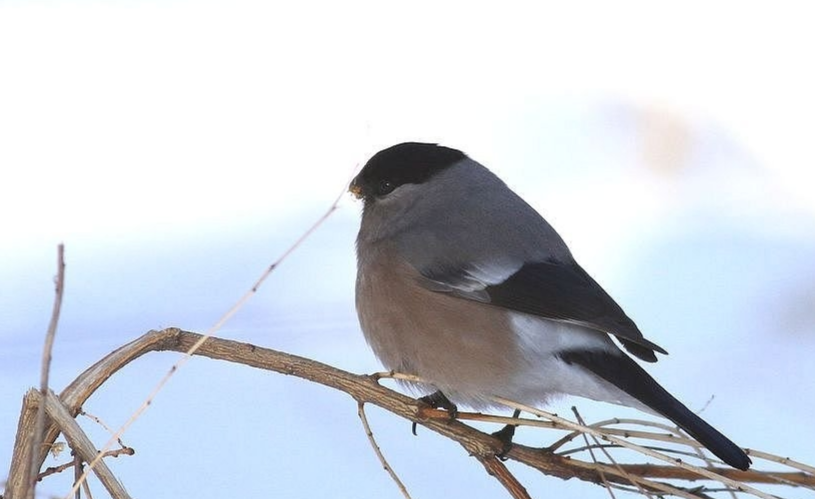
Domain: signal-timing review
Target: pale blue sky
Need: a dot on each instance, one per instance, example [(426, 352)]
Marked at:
[(177, 148)]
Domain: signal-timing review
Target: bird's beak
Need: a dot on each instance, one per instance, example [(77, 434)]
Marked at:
[(355, 189)]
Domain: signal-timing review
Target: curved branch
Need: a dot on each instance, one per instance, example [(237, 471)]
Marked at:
[(367, 390)]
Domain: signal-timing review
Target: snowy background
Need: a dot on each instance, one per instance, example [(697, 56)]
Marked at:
[(177, 148)]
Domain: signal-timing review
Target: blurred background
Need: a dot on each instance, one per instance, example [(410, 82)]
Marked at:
[(177, 148)]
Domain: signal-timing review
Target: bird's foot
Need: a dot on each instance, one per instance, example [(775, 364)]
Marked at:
[(438, 400), (505, 435)]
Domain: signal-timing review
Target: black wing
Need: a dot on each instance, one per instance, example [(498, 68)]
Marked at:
[(565, 292), (561, 291)]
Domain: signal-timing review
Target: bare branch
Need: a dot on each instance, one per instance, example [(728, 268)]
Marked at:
[(53, 470), (496, 468), (593, 458), (78, 475), (48, 347), (366, 389), (82, 445), (26, 456), (378, 451)]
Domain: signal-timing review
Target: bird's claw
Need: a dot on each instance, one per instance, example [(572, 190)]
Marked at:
[(438, 400), (505, 435)]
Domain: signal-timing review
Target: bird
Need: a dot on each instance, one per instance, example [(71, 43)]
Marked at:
[(462, 283)]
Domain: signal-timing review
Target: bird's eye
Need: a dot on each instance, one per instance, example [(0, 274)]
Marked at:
[(385, 187)]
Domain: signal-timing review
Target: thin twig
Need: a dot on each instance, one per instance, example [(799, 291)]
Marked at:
[(670, 436), (211, 331), (678, 468), (378, 451), (639, 448), (636, 483), (78, 473), (665, 450), (87, 488), (591, 453), (663, 487), (101, 423), (782, 460), (45, 369), (53, 470), (81, 444)]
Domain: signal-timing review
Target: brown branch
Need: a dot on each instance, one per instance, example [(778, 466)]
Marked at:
[(366, 389), (674, 473), (45, 369), (22, 454), (594, 459), (60, 418), (53, 470), (378, 451), (78, 474), (498, 469), (82, 445)]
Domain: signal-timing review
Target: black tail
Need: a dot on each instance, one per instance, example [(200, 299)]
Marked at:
[(622, 372)]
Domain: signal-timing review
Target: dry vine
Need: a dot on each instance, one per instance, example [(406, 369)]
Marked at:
[(555, 460)]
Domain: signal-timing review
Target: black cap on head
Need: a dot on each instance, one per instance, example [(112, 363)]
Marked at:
[(406, 163)]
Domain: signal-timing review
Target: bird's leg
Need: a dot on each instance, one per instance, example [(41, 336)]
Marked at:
[(505, 435), (438, 400)]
